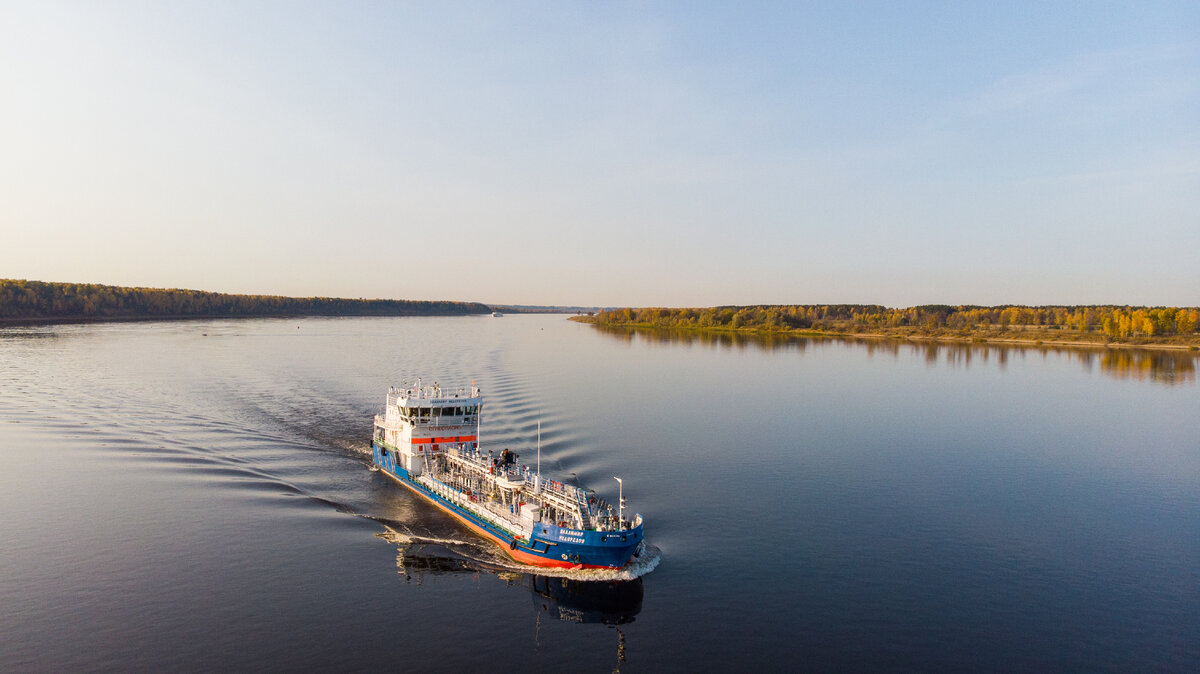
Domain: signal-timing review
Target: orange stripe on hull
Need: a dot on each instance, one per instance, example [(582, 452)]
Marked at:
[(523, 557)]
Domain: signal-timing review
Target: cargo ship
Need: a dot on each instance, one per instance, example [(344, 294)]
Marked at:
[(427, 439)]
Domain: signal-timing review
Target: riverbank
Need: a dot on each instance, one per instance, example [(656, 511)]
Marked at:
[(1000, 336), (23, 301), (83, 320)]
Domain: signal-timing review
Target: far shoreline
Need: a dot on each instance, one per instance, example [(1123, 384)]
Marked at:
[(70, 320), (976, 339)]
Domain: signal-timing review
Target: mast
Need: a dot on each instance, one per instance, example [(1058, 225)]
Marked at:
[(620, 501), (478, 417)]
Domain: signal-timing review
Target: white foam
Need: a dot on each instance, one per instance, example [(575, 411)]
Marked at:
[(399, 538)]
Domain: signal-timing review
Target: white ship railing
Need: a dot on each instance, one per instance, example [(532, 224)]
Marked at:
[(431, 393), (510, 525), (590, 512)]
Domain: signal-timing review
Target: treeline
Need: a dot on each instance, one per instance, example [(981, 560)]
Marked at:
[(1114, 322), (38, 299)]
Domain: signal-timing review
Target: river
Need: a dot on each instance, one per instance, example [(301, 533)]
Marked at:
[(197, 495)]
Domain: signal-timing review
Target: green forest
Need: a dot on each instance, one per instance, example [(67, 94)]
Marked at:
[(43, 300), (1058, 323)]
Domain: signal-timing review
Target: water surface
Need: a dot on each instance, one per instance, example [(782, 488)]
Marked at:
[(197, 495)]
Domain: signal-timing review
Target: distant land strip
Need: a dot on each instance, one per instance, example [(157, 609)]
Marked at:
[(22, 301), (543, 309), (1165, 327)]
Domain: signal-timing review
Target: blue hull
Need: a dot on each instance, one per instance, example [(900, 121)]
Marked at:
[(549, 545)]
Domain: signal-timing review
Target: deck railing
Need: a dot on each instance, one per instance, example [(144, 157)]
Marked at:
[(452, 495)]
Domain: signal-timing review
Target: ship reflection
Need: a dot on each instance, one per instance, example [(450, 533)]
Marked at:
[(565, 599), (587, 601)]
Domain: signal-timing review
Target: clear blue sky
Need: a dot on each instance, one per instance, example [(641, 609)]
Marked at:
[(665, 154)]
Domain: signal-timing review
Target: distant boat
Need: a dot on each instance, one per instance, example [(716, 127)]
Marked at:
[(496, 314)]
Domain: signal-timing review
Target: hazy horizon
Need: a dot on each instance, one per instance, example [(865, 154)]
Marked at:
[(624, 154)]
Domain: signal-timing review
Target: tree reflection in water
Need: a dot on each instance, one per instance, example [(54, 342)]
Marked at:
[(1160, 366)]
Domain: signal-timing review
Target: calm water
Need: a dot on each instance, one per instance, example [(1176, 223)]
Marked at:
[(197, 496)]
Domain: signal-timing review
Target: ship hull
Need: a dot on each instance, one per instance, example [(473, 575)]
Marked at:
[(547, 546)]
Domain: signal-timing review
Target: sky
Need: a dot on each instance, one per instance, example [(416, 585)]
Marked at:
[(607, 153)]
